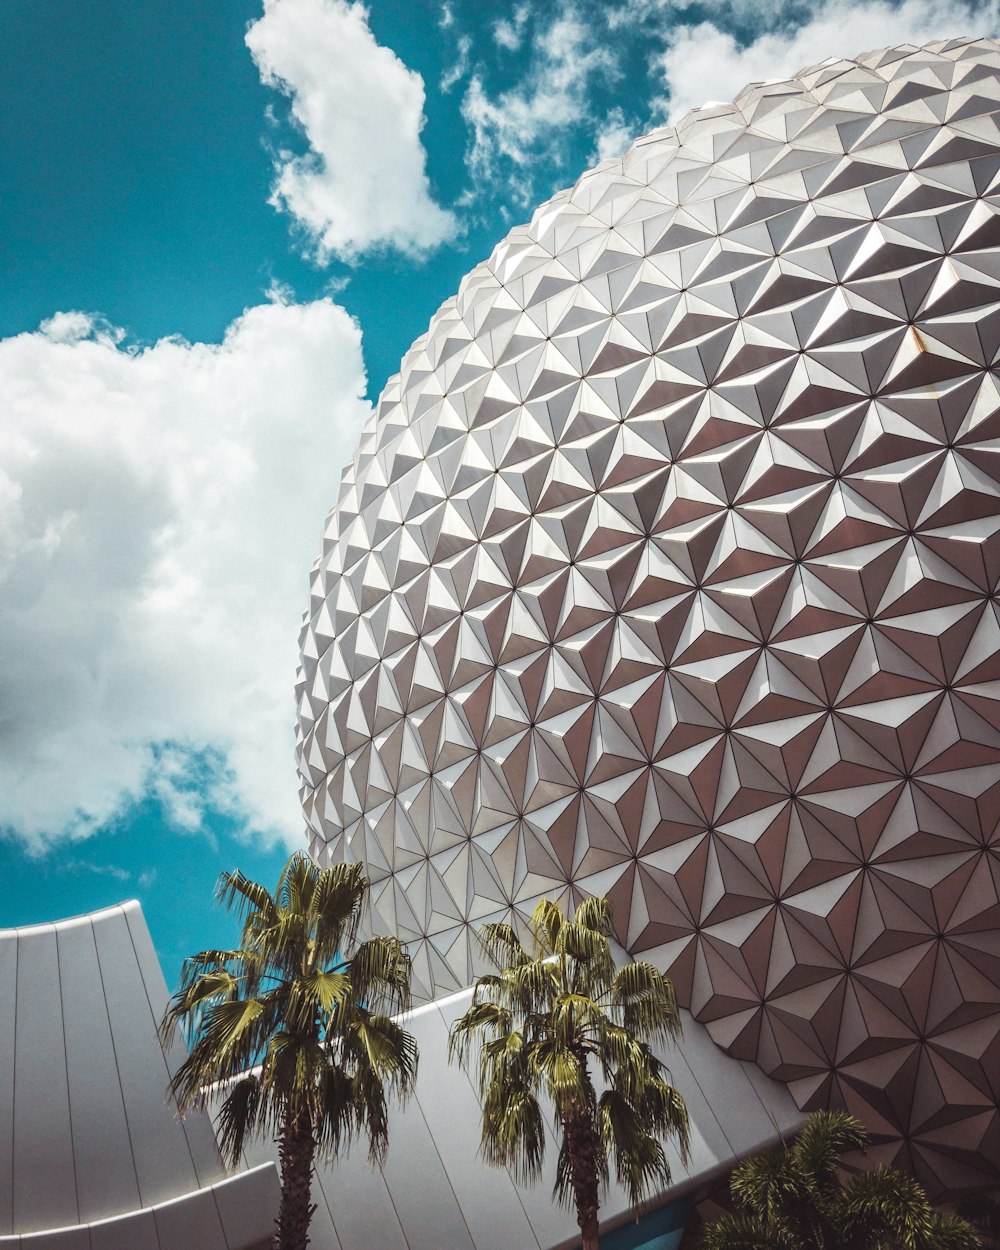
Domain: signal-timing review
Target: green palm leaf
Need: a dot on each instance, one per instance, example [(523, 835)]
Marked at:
[(797, 1197)]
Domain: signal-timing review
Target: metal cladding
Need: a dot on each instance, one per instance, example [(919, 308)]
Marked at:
[(433, 1191), (667, 570), (93, 1156)]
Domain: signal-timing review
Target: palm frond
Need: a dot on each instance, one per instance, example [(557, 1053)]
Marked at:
[(950, 1231), (826, 1137), (386, 1048), (238, 1118), (889, 1202), (322, 990), (337, 904), (297, 884), (743, 1232), (187, 1006), (663, 1110), (238, 893), (640, 1162), (562, 1074), (231, 1030), (764, 1185), (210, 961), (595, 914), (513, 1133), (488, 1019), (338, 1119), (529, 987), (646, 1002), (501, 946), (546, 922), (583, 943), (371, 1112), (504, 1065), (380, 974)]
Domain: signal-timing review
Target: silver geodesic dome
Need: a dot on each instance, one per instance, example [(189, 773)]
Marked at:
[(666, 569)]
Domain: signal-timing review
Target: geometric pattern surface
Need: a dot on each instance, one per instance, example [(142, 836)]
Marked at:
[(667, 569)]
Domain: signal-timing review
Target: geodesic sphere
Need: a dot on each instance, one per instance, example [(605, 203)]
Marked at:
[(667, 570)]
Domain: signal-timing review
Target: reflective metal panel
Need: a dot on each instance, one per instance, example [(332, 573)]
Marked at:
[(666, 569), (44, 1172), (88, 1141), (100, 1129), (434, 1189)]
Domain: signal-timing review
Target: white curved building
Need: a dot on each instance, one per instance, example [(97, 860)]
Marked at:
[(92, 1157), (435, 1193)]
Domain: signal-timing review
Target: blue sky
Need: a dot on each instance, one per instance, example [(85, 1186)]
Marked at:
[(221, 225)]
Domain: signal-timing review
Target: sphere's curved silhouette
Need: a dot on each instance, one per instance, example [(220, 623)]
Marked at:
[(667, 570)]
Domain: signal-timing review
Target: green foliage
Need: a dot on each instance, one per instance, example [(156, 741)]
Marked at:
[(293, 1023), (983, 1213), (547, 1020), (798, 1199)]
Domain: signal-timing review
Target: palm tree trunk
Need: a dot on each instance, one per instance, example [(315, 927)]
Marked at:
[(579, 1131), (296, 1148)]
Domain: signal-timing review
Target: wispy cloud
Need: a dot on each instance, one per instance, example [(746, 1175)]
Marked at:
[(363, 183), (460, 67), (566, 57), (708, 62), (522, 125), (159, 512), (509, 31), (614, 136), (74, 866)]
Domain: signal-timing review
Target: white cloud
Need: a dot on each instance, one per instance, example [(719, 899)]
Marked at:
[(457, 71), (159, 513), (509, 32), (704, 63), (614, 136), (528, 121), (363, 183)]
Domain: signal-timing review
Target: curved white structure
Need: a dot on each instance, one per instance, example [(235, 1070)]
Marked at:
[(435, 1193), (92, 1157)]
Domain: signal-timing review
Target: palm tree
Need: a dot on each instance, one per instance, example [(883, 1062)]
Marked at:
[(548, 1022), (294, 1027), (797, 1199), (983, 1213)]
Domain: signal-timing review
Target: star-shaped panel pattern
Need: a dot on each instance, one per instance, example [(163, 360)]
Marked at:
[(667, 570)]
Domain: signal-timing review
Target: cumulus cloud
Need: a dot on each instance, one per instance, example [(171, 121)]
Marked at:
[(705, 63), (159, 512), (527, 121), (363, 182)]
